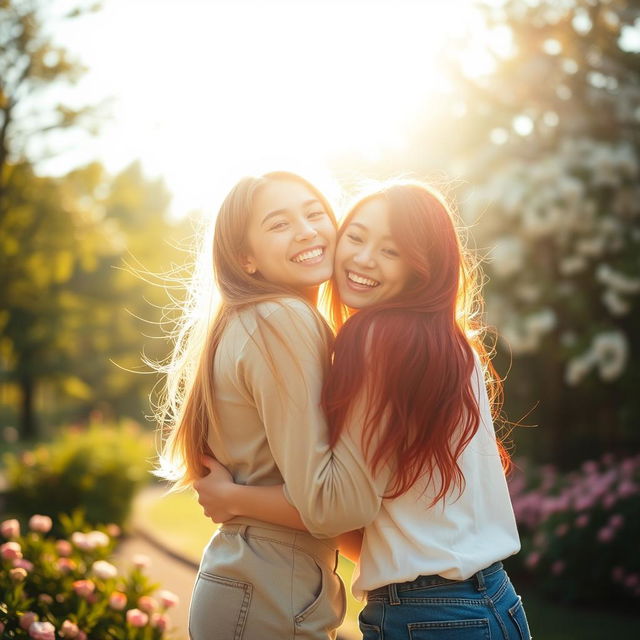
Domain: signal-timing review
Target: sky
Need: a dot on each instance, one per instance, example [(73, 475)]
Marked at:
[(205, 91)]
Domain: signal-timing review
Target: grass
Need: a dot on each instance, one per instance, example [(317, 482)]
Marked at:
[(548, 620)]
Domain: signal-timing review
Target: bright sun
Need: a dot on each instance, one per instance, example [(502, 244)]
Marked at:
[(208, 91)]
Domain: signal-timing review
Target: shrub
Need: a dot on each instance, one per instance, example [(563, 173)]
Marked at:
[(67, 587), (580, 531), (97, 469)]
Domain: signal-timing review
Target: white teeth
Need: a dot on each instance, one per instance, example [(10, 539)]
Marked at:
[(360, 280), (308, 255)]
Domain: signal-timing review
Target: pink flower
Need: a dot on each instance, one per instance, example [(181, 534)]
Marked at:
[(582, 520), (25, 564), (97, 539), (617, 574), (27, 619), (41, 524), (606, 534), (42, 631), (66, 565), (10, 528), (104, 570), (45, 598), (590, 467), (69, 629), (160, 621), (167, 598), (117, 600), (561, 530), (141, 561), (627, 489), (18, 574), (137, 618), (616, 521), (11, 551), (113, 530), (147, 603), (557, 567), (1, 627), (81, 635), (632, 580), (609, 500), (64, 548), (532, 560), (84, 588)]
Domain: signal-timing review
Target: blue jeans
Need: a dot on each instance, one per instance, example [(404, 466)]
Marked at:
[(484, 607)]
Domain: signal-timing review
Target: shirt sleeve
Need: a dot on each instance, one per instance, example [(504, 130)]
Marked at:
[(333, 490)]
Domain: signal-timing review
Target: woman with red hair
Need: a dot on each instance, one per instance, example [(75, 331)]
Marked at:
[(409, 386)]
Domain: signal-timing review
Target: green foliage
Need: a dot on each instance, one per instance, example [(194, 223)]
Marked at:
[(70, 585), (97, 469)]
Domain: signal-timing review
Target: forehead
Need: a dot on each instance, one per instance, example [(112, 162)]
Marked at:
[(374, 216), (281, 194)]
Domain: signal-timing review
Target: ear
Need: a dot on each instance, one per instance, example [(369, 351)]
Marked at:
[(248, 264)]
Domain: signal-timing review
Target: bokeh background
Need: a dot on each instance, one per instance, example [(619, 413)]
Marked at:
[(123, 125)]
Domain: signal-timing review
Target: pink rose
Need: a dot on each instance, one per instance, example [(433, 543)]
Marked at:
[(137, 618), (64, 548), (69, 629), (42, 631), (25, 564), (561, 530), (11, 551), (66, 565), (167, 598), (18, 574), (147, 603), (117, 600), (160, 621), (557, 567), (41, 524), (10, 528), (27, 619), (84, 588)]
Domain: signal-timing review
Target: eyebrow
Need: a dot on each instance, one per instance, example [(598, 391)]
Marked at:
[(365, 228), (278, 212)]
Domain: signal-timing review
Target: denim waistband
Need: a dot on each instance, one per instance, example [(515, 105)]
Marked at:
[(391, 590)]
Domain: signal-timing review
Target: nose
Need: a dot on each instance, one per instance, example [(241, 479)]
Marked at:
[(364, 258), (305, 231)]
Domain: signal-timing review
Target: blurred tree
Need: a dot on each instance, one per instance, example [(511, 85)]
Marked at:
[(556, 203)]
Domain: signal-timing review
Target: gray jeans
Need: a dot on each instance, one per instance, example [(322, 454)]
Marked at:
[(258, 582)]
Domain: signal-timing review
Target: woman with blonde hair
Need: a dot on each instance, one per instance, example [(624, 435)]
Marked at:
[(246, 387), (407, 389)]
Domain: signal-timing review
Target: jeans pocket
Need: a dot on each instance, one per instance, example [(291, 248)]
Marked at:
[(370, 631), (219, 608), (308, 572), (477, 629), (519, 618)]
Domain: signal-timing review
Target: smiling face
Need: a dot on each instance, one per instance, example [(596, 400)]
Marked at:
[(291, 237), (369, 266)]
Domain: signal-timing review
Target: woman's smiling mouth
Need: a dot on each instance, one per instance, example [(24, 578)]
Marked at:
[(360, 282), (309, 256)]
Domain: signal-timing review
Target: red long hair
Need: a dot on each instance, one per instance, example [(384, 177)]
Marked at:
[(413, 355)]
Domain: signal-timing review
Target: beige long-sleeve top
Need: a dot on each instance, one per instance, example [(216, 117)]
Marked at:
[(271, 428)]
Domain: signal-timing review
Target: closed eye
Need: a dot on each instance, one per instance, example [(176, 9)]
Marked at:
[(353, 237), (391, 252), (315, 214), (278, 226)]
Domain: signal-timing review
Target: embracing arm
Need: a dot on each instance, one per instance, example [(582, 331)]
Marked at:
[(223, 500)]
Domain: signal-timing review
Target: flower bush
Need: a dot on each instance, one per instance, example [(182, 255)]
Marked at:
[(580, 531), (97, 469), (67, 588)]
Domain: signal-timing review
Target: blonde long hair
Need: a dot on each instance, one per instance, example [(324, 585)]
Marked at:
[(186, 410)]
